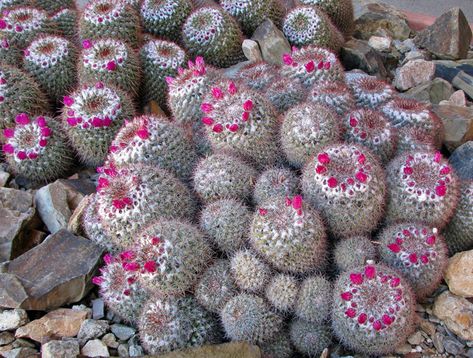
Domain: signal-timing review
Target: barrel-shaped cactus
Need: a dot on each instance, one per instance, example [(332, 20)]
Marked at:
[(280, 182), (65, 22), (370, 92), (333, 94), (353, 251)]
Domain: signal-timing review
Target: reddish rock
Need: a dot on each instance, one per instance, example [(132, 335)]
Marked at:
[(414, 73)]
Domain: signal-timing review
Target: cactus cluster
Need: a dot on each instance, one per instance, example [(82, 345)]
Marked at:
[(65, 22), (333, 94), (353, 251)]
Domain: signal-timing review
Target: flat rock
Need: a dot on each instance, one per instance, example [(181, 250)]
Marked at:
[(464, 82), (458, 123), (95, 348), (457, 314), (251, 50), (123, 332), (448, 37), (60, 349), (226, 350), (462, 161), (98, 309), (357, 54), (380, 43), (434, 91), (22, 352), (110, 340), (92, 328), (271, 41), (75, 221), (458, 98), (44, 284), (63, 322), (51, 202), (12, 319), (414, 73), (459, 274)]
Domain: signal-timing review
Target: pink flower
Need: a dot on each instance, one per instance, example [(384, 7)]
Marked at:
[(3, 24), (232, 89), (97, 122), (233, 127), (370, 272), (206, 107), (108, 259), (111, 66), (22, 119), (332, 182), (46, 131), (297, 202), (207, 121), (150, 266), (169, 80), (72, 121), (86, 44), (8, 148), (361, 177), (441, 190), (346, 296), (248, 105), (68, 101), (43, 143), (97, 280), (21, 155), (142, 133), (218, 128), (41, 121), (351, 312), (394, 248), (217, 93), (353, 122), (310, 66), (356, 278), (323, 158), (8, 132), (287, 59)]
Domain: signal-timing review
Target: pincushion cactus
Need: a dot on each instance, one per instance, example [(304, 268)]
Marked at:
[(370, 92), (154, 140), (92, 115), (176, 323), (215, 287), (225, 222), (309, 25), (373, 130), (104, 18), (65, 22), (111, 61), (284, 94), (422, 186), (279, 347), (333, 94), (10, 55), (418, 252), (346, 183), (5, 4), (247, 317), (373, 310), (289, 234), (310, 338), (242, 121), (133, 196), (282, 291), (280, 182), (120, 290), (165, 18), (258, 75), (55, 5), (312, 65), (353, 251), (19, 93), (213, 34), (36, 148), (306, 129), (159, 60), (314, 300), (414, 139), (251, 13), (52, 60), (459, 232), (249, 272), (92, 226)]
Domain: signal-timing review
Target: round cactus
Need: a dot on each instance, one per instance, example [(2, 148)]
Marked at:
[(251, 13), (52, 6), (36, 148), (312, 65), (154, 141), (282, 291), (346, 183), (176, 323), (159, 60), (112, 62), (249, 272), (416, 251), (247, 317), (310, 338), (280, 182), (306, 129), (19, 93), (289, 234), (215, 287), (279, 347), (222, 176), (308, 25), (333, 94), (284, 94), (422, 186), (92, 115), (165, 18), (105, 18), (414, 139), (21, 25), (92, 226), (225, 222), (373, 130), (353, 251), (242, 121), (5, 4), (51, 60), (169, 255), (258, 75), (215, 35), (10, 55), (65, 22), (119, 289), (373, 310), (136, 195), (370, 92), (314, 300), (459, 232)]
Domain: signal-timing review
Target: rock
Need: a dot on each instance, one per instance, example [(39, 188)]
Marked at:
[(123, 350), (75, 221), (416, 338), (416, 55), (434, 91), (225, 350), (462, 161), (36, 283), (135, 350), (6, 338), (4, 176), (95, 348), (457, 314), (98, 309), (91, 328), (464, 82), (12, 319), (271, 41), (459, 274), (23, 352), (427, 327), (60, 349), (458, 123), (110, 340), (358, 54), (452, 346), (449, 69), (251, 50), (458, 98), (448, 37), (231, 72), (404, 349), (379, 18), (21, 342), (382, 44), (123, 332), (51, 202), (414, 73), (63, 322), (438, 343)]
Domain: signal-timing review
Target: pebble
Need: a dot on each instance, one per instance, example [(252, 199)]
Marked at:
[(110, 340), (437, 341), (60, 349), (404, 349), (95, 348), (23, 343), (469, 353), (6, 338), (452, 346), (416, 338), (22, 352), (122, 332), (92, 329), (135, 349), (98, 309), (12, 319), (123, 350), (427, 327)]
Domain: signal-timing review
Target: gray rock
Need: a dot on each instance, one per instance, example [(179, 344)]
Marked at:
[(464, 82), (434, 91), (357, 54), (98, 309), (110, 340), (448, 37), (462, 161), (414, 73), (95, 348), (437, 340), (60, 349), (4, 176), (231, 72), (458, 123), (123, 332), (91, 329), (271, 41), (12, 319), (20, 353), (469, 353), (123, 350), (135, 350), (452, 346), (51, 202), (6, 338), (251, 50)]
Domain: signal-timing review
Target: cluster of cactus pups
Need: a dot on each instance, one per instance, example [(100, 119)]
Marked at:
[(275, 207)]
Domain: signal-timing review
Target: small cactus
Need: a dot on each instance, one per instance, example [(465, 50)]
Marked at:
[(282, 291), (92, 226), (258, 75), (314, 300), (373, 310), (280, 182), (310, 338), (333, 94), (249, 272), (10, 55), (5, 4), (65, 21), (284, 94), (370, 92), (353, 251), (52, 6), (279, 347)]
